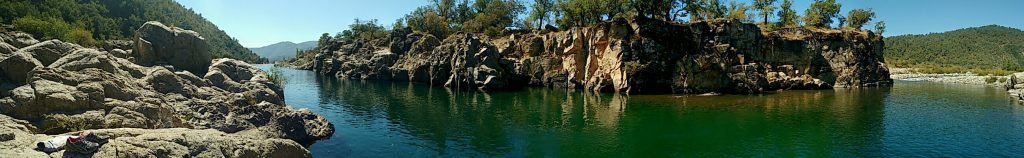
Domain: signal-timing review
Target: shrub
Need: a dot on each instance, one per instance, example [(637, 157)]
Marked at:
[(277, 77)]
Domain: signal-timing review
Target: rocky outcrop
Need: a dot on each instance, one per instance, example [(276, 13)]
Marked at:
[(631, 55), (156, 44), (18, 138), (231, 109)]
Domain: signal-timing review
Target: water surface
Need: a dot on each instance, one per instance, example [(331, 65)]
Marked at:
[(916, 119)]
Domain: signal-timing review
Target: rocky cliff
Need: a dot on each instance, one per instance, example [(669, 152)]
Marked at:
[(165, 98), (631, 55)]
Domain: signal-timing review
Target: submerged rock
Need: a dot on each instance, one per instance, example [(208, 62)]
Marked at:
[(631, 55)]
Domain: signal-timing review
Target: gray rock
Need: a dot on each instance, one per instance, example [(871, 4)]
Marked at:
[(20, 39), (156, 44), (6, 49), (16, 67), (48, 52)]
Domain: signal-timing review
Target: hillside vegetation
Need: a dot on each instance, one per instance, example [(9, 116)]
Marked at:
[(989, 49), (283, 50), (89, 22)]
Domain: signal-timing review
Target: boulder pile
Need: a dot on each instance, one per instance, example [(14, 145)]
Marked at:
[(166, 97)]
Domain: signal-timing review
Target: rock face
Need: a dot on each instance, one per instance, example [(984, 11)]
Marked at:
[(61, 87), (156, 44), (631, 55), (18, 138)]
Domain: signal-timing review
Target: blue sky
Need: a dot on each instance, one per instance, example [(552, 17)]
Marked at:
[(262, 22)]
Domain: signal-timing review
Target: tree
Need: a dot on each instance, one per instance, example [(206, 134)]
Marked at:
[(709, 9), (425, 19), (787, 16), (737, 11), (821, 13), (364, 30), (880, 27), (324, 40), (572, 13), (858, 17), (656, 9), (492, 18), (765, 8), (541, 11)]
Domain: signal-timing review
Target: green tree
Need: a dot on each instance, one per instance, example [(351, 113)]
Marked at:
[(737, 11), (765, 8), (364, 30), (494, 17), (787, 16), (708, 9), (880, 27), (656, 9), (858, 17), (821, 13), (425, 19), (541, 12)]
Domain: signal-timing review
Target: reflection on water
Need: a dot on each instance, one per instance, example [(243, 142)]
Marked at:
[(382, 119)]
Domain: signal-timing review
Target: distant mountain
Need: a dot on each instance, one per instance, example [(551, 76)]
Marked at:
[(282, 50), (986, 47)]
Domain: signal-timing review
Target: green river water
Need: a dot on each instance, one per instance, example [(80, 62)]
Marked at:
[(910, 119)]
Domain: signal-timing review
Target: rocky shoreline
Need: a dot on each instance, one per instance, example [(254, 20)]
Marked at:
[(628, 55), (159, 95), (958, 78)]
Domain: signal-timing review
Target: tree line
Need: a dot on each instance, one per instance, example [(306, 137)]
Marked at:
[(978, 49), (89, 22), (492, 17)]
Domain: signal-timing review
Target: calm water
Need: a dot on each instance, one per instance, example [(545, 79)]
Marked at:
[(915, 119)]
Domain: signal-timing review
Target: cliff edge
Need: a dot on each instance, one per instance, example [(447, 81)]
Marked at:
[(631, 55)]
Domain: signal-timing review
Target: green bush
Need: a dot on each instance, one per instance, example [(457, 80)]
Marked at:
[(43, 28), (277, 77)]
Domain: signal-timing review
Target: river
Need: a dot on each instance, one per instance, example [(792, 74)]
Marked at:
[(910, 119)]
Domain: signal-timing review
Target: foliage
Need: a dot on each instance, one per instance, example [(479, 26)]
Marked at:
[(821, 13), (494, 16), (540, 12), (765, 8), (63, 122), (667, 10), (858, 17), (363, 30), (880, 27), (118, 19), (787, 16), (45, 28), (987, 47), (277, 76), (707, 9), (425, 19), (738, 11)]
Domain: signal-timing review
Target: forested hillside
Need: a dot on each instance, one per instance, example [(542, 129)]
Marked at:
[(986, 47), (283, 50), (89, 22)]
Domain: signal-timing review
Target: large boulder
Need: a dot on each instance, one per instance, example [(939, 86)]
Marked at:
[(157, 44), (15, 68), (48, 52), (18, 39)]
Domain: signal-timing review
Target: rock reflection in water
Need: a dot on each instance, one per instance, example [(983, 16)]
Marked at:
[(558, 122)]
